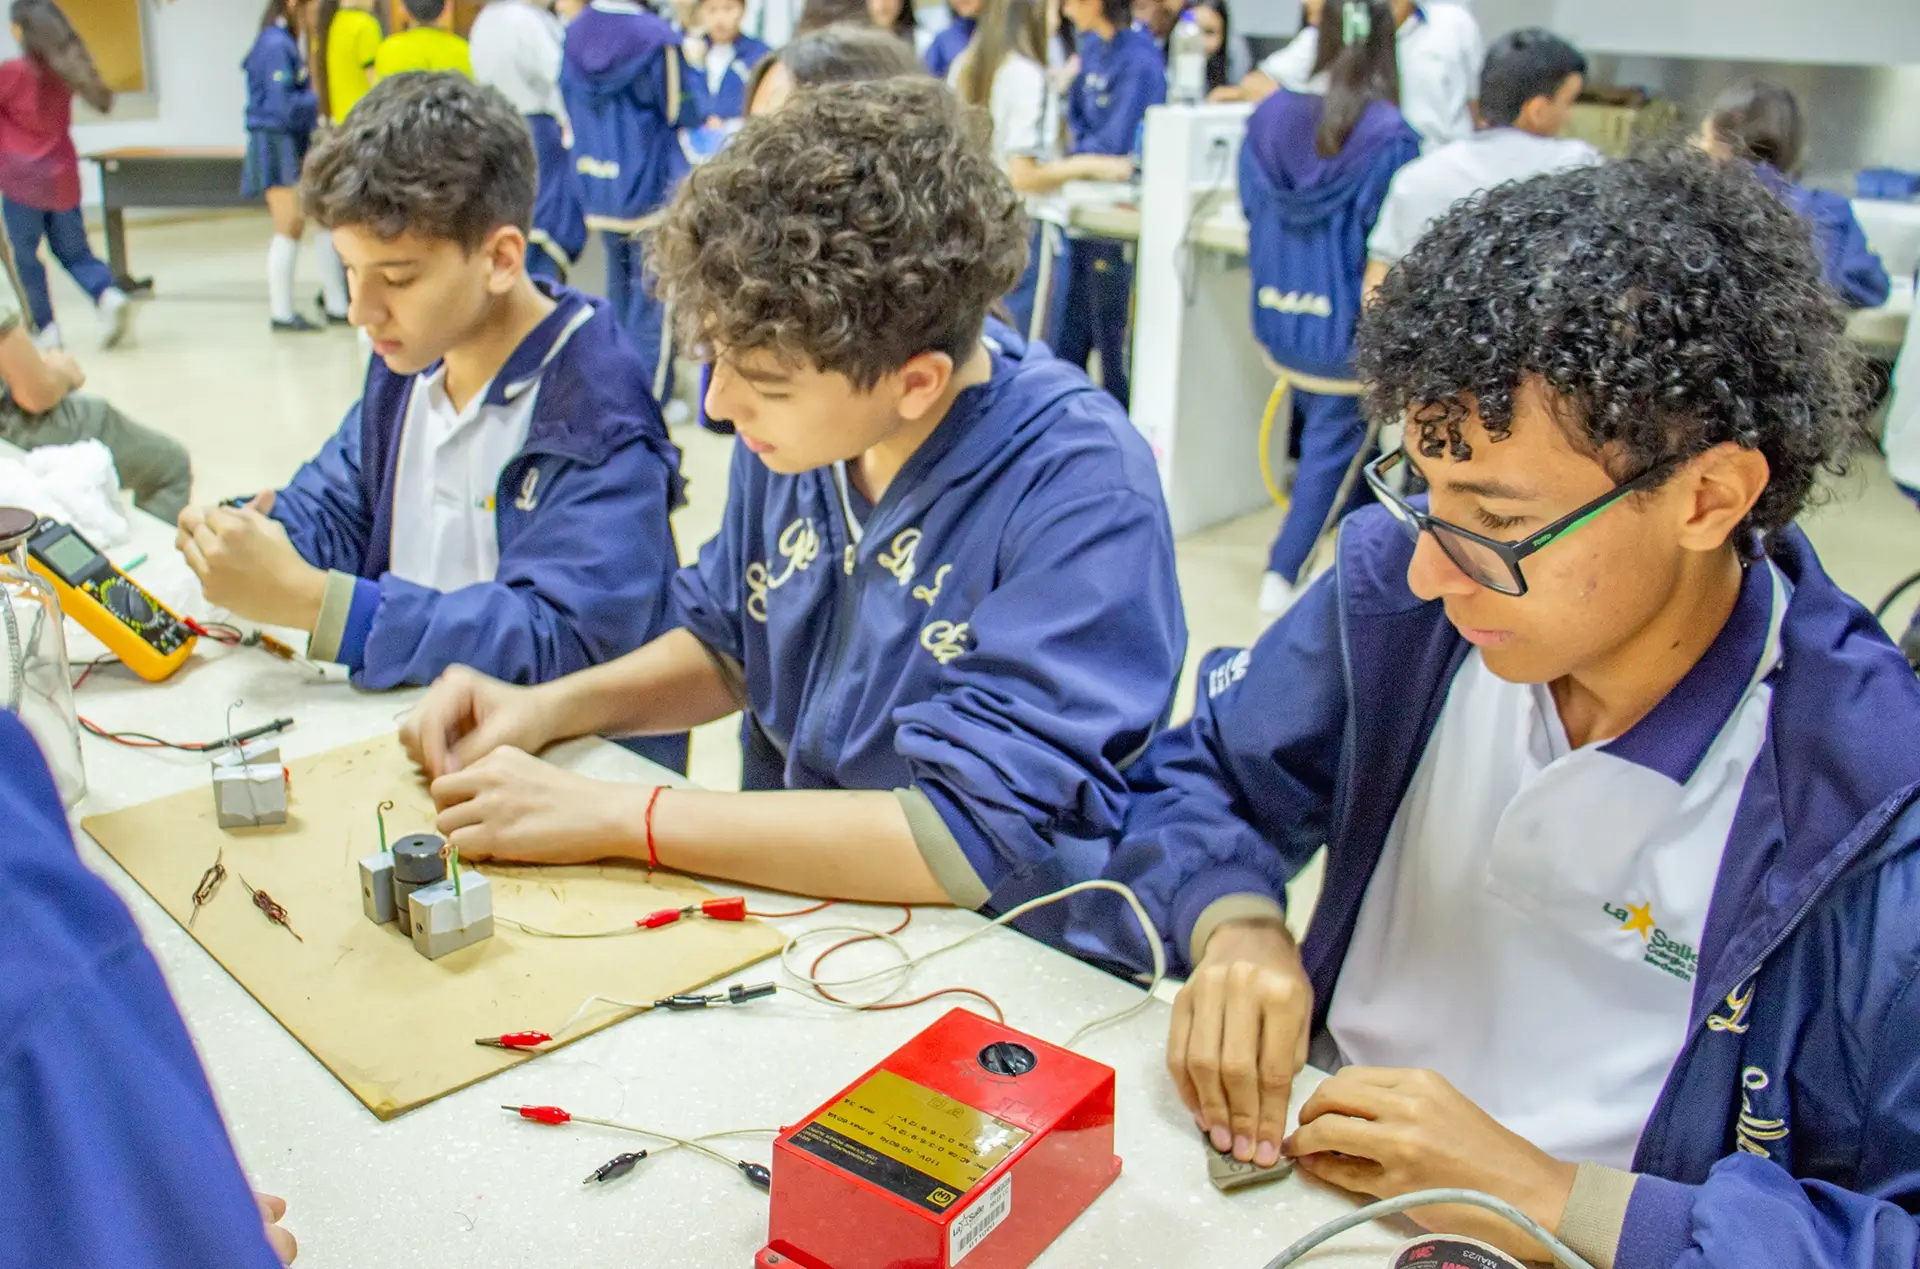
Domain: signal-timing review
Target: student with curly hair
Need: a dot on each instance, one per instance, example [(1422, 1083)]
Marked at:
[(943, 590), (1616, 785)]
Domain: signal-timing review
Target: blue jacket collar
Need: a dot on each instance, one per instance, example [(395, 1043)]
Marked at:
[(1676, 733)]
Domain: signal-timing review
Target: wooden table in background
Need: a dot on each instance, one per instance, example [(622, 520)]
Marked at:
[(163, 176)]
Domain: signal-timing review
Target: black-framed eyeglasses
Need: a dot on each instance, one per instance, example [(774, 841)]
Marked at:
[(1495, 565)]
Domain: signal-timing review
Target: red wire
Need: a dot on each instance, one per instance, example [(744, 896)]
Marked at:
[(797, 912), (813, 972)]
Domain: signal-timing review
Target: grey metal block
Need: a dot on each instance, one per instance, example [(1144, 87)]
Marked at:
[(249, 787), (443, 921), (376, 887)]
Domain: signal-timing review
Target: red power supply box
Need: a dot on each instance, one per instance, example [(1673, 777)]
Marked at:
[(973, 1144)]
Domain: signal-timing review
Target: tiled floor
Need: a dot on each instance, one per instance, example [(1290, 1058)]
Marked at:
[(252, 405)]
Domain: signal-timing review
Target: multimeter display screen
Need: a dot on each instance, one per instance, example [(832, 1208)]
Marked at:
[(68, 555)]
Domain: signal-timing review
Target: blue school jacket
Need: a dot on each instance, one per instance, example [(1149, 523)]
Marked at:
[(1849, 265), (1108, 100), (1308, 219), (116, 1156), (730, 102), (559, 224), (1788, 1133), (278, 93), (586, 552), (621, 79), (946, 47), (1005, 634)]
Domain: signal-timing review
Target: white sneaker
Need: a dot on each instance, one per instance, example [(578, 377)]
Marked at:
[(1277, 594), (116, 317), (48, 337), (677, 412)]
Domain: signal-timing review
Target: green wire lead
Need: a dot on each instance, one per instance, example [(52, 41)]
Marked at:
[(379, 813)]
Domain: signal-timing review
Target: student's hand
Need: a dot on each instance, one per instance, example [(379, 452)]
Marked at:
[(248, 565), (513, 807), (466, 715), (1226, 92), (1240, 1036), (61, 362), (271, 1211), (693, 50), (1064, 74), (1386, 1133)]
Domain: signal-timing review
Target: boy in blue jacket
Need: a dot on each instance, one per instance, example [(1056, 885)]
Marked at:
[(1617, 787), (116, 1156), (1121, 74), (944, 588), (621, 79), (499, 496)]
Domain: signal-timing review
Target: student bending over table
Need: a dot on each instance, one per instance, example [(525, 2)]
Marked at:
[(499, 496), (944, 587), (1617, 787)]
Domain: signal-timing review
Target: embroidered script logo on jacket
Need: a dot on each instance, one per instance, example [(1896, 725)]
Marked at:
[(529, 490), (1295, 302), (1663, 951), (602, 169), (799, 546)]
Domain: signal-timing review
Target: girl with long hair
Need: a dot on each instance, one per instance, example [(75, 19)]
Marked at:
[(40, 170), (1313, 173), (282, 111)]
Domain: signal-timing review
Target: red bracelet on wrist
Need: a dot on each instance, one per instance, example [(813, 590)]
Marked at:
[(653, 855)]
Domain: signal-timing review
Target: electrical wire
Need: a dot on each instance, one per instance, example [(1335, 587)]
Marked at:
[(1880, 613), (140, 739), (1561, 1253), (817, 988)]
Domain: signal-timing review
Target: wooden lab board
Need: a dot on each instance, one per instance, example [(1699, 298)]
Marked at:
[(394, 1027)]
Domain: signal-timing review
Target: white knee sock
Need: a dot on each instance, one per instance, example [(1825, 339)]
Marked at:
[(280, 258), (333, 274)]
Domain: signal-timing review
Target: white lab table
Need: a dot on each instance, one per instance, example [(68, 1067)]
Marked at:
[(460, 1182)]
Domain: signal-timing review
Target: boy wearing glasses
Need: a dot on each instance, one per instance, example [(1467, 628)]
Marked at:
[(1615, 784)]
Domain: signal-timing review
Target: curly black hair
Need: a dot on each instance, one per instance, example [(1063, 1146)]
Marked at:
[(1670, 302), (854, 228), (432, 154)]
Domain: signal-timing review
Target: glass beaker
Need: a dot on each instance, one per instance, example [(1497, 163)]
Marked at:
[(35, 682)]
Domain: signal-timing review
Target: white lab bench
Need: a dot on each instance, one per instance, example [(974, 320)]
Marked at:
[(459, 1182), (1200, 383)]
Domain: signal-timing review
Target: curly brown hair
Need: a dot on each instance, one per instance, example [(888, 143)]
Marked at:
[(430, 154), (856, 227)]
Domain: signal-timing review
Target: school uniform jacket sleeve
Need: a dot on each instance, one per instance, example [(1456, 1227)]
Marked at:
[(1850, 265), (706, 593), (1070, 669), (116, 1156), (326, 507), (1138, 85), (1227, 807), (571, 589)]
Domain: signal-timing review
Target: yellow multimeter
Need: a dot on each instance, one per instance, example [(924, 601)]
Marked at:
[(111, 606)]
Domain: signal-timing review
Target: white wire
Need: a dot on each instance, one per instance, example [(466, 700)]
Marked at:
[(1562, 1253), (813, 984)]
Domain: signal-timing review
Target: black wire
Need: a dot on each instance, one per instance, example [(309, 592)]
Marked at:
[(1880, 613), (139, 737)]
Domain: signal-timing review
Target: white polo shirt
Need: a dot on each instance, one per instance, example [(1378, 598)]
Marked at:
[(1424, 190), (1532, 929), (1441, 54), (448, 473), (1019, 103)]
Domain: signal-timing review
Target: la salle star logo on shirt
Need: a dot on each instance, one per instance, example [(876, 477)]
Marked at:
[(1663, 952)]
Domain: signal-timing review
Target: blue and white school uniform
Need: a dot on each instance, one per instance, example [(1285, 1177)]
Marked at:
[(992, 640), (282, 111), (1308, 218), (621, 80), (115, 1150), (719, 89), (516, 46), (1119, 79), (1441, 54), (1846, 261), (526, 535)]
